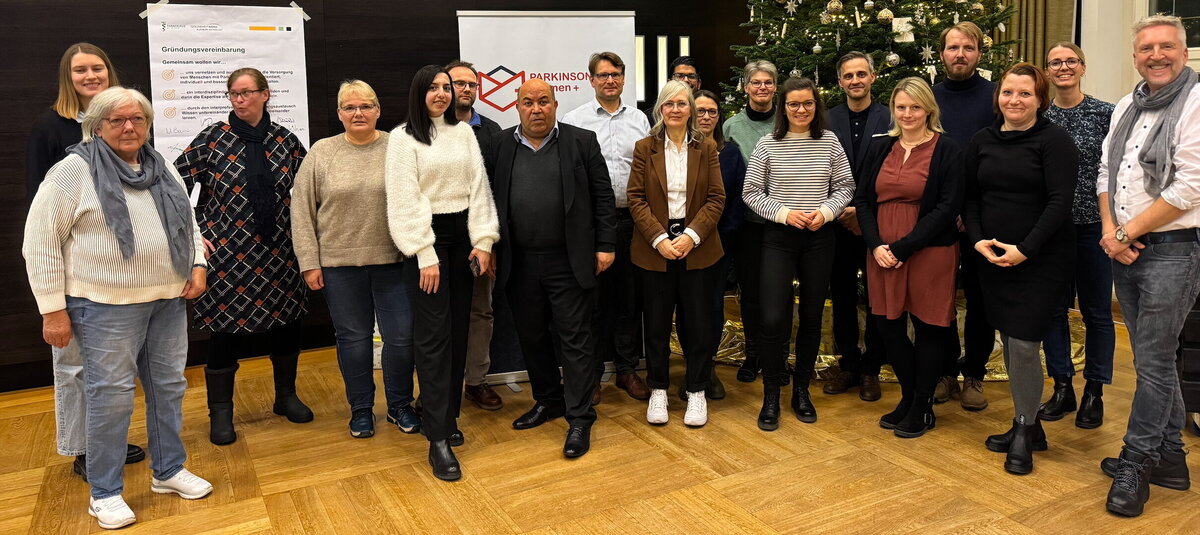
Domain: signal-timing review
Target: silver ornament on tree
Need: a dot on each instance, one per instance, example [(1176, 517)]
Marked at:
[(892, 59), (834, 6), (885, 16), (795, 73), (762, 40), (791, 7), (817, 48)]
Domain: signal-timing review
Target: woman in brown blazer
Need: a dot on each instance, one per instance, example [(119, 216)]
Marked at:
[(676, 197)]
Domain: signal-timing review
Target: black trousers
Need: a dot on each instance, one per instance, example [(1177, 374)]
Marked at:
[(979, 336), (686, 292), (918, 365), (224, 349), (618, 319), (748, 267), (440, 323), (550, 309), (788, 254), (849, 258)]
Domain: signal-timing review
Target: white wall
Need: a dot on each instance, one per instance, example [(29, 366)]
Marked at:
[(1106, 38)]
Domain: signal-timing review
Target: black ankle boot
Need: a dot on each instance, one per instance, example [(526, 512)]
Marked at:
[(1171, 472), (889, 420), (748, 371), (1061, 402), (768, 417), (1131, 487), (919, 419), (999, 443), (219, 385), (801, 403), (1020, 449), (1091, 408), (444, 463), (716, 389), (286, 402)]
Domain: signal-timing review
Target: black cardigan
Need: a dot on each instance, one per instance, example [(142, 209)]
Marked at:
[(940, 204)]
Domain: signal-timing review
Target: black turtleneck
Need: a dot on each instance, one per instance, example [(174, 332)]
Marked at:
[(759, 116), (966, 106)]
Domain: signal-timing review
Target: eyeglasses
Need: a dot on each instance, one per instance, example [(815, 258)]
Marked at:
[(365, 108), (682, 76), (807, 105), (1070, 63), (761, 83), (675, 105), (119, 122), (702, 112), (608, 76), (465, 85), (234, 95)]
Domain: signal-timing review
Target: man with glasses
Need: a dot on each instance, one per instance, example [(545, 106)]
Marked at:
[(854, 122), (466, 85), (619, 317), (682, 69)]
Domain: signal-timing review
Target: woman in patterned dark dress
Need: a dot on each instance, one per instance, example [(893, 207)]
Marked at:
[(1086, 118), (246, 168)]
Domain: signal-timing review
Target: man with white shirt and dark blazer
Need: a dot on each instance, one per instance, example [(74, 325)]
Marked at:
[(558, 233), (854, 122)]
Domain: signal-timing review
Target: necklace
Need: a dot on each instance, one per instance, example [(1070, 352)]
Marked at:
[(928, 136)]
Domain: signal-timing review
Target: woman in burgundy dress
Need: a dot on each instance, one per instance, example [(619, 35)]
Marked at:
[(908, 199)]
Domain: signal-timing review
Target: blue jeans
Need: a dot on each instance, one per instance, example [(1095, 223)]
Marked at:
[(1156, 292), (1093, 285), (358, 296), (118, 343), (70, 408)]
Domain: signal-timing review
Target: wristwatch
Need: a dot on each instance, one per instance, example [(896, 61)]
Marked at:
[(1121, 236)]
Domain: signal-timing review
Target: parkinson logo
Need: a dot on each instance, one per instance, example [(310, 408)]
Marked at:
[(501, 79)]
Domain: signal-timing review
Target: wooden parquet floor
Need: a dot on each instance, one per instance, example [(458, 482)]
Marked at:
[(841, 475)]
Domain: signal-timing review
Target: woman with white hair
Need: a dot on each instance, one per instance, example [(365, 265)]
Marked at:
[(112, 250)]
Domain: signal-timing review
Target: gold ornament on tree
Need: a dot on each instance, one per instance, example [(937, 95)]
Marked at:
[(869, 5), (893, 59), (834, 6), (977, 8), (817, 48), (826, 18), (987, 42), (885, 16)]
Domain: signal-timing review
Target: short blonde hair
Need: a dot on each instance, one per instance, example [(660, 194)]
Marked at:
[(110, 99), (356, 88), (1160, 20), (670, 89), (917, 89), (967, 28)]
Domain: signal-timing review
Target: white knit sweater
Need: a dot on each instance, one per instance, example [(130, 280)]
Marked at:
[(444, 177), (69, 250)]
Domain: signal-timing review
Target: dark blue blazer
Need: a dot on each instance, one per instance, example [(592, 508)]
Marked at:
[(878, 122)]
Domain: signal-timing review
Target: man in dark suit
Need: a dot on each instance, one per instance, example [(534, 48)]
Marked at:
[(854, 122), (558, 231)]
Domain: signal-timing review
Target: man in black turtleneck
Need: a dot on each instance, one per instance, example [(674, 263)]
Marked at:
[(965, 99)]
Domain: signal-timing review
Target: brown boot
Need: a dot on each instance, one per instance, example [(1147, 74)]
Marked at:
[(972, 394), (839, 383), (869, 388), (483, 396), (947, 387), (631, 383)]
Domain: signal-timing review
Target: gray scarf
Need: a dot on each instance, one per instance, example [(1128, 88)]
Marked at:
[(109, 173), (1156, 154)]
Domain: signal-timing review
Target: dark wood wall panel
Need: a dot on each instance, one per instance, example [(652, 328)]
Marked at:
[(381, 42)]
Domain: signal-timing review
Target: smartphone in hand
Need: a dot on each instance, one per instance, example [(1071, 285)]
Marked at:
[(475, 266)]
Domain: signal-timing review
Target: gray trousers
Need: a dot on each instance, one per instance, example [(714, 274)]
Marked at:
[(1025, 379), (479, 337)]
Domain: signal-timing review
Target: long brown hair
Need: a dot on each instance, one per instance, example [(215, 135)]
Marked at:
[(798, 83), (68, 104)]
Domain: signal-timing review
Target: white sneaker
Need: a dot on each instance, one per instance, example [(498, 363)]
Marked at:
[(697, 410), (187, 485), (111, 512), (656, 411)]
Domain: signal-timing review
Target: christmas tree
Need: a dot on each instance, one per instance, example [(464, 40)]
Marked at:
[(806, 38)]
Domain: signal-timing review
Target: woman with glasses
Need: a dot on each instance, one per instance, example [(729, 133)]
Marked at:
[(675, 198), (442, 217), (246, 168), (339, 226), (798, 179), (1086, 118)]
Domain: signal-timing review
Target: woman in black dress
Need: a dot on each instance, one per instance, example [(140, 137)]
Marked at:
[(1020, 176), (246, 168)]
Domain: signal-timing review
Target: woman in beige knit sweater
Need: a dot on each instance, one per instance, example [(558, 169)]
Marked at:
[(441, 215)]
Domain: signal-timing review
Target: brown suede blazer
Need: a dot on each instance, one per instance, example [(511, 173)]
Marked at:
[(648, 202)]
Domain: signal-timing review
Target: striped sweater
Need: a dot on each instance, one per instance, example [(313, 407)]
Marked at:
[(798, 173), (69, 249)]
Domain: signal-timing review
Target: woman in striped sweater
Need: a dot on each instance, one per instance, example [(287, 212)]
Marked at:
[(806, 172)]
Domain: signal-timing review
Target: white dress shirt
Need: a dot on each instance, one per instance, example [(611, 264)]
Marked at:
[(676, 159), (617, 133), (1131, 198)]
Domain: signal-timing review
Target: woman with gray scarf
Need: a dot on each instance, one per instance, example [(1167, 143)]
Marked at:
[(112, 250)]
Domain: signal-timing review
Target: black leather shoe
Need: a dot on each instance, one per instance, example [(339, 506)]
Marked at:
[(134, 454), (579, 441), (999, 443), (1061, 402), (1131, 487), (748, 371), (1091, 407), (1019, 459), (456, 438), (802, 404), (768, 417), (80, 467), (889, 420), (441, 458), (1171, 471), (538, 415)]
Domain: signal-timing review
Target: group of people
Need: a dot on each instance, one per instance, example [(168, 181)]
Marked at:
[(606, 227)]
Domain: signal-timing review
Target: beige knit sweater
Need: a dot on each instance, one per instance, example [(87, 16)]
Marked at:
[(339, 208), (444, 177), (69, 249)]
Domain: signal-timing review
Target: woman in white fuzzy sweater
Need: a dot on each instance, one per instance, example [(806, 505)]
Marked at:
[(440, 211)]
